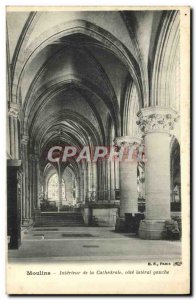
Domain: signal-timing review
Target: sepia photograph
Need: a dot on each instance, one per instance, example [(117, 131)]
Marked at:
[(98, 149)]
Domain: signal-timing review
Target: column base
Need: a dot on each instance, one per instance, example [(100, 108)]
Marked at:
[(26, 225), (120, 225), (129, 223), (152, 229), (37, 216), (27, 222)]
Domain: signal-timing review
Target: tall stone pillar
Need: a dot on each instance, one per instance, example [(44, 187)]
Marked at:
[(16, 138), (156, 124), (91, 180), (116, 175), (45, 189), (26, 203), (82, 179), (31, 183), (14, 110), (128, 176), (85, 178), (94, 179), (39, 185), (105, 172), (89, 176), (81, 185), (76, 180), (35, 161), (101, 180), (112, 181), (108, 180), (60, 193), (99, 183)]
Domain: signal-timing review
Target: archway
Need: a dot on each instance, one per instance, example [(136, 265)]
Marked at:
[(53, 188), (51, 196)]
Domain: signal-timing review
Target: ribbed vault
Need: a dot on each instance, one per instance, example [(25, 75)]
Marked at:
[(79, 79)]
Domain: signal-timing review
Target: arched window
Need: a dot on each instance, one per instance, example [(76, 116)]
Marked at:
[(53, 188)]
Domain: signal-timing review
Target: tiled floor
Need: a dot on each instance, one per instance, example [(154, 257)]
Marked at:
[(90, 244)]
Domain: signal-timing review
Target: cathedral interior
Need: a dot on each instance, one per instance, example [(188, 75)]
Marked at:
[(93, 78)]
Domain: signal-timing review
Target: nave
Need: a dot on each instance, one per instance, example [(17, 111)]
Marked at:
[(80, 86), (93, 244)]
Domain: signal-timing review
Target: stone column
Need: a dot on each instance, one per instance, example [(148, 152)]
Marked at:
[(31, 183), (39, 185), (16, 138), (94, 179), (128, 176), (101, 180), (81, 185), (76, 189), (60, 193), (35, 180), (156, 124), (116, 175), (24, 143), (91, 180), (105, 172), (109, 180), (12, 141), (26, 203), (14, 110), (89, 176), (85, 182), (112, 181), (45, 189)]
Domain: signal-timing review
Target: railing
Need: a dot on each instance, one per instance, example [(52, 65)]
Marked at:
[(102, 196), (51, 206)]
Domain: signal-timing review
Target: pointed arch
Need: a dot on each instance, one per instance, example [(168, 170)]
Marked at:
[(165, 56), (106, 41)]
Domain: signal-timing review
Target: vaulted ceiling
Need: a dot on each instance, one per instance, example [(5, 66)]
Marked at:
[(70, 71)]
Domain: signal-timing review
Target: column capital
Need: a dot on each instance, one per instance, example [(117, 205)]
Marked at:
[(126, 141), (13, 109), (156, 119)]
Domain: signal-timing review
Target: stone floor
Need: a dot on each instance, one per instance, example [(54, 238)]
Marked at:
[(90, 244)]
